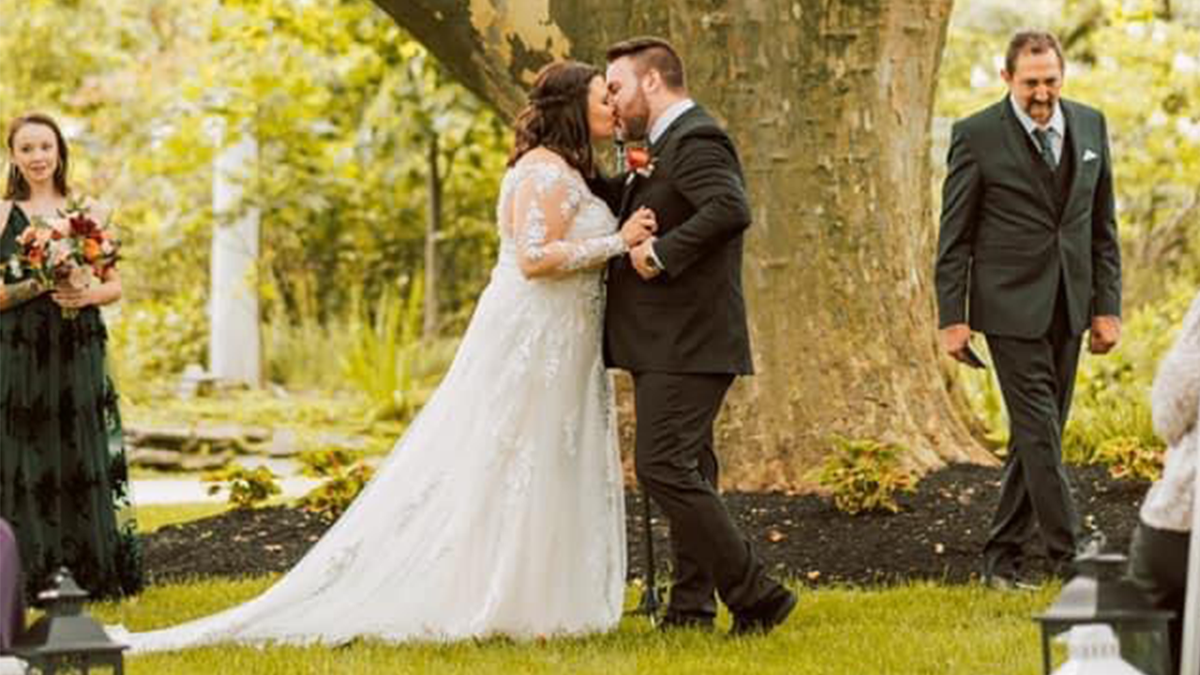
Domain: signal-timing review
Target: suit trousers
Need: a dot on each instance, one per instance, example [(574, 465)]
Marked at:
[(677, 466), (1037, 379)]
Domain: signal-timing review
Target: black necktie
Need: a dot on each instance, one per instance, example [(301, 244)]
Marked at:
[(1046, 147)]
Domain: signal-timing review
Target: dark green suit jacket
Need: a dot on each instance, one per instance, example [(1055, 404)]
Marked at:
[(1004, 247), (692, 317)]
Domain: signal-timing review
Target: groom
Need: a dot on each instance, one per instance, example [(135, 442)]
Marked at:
[(676, 320)]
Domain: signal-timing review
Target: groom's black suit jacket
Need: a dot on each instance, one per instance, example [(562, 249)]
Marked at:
[(1012, 229), (692, 317)]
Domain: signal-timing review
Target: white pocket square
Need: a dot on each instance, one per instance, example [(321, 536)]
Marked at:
[(1088, 155)]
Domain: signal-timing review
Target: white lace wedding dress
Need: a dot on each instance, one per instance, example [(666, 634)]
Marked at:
[(500, 511)]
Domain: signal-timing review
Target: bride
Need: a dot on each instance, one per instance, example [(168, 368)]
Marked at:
[(500, 511)]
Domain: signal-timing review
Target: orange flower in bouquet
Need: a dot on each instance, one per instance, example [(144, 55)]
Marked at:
[(71, 248)]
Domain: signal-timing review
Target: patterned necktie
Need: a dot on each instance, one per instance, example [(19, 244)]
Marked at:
[(1046, 147)]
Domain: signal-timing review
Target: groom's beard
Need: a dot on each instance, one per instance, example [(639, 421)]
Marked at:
[(634, 128), (635, 123)]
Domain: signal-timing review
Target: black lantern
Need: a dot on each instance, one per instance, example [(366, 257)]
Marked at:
[(66, 639), (1099, 595)]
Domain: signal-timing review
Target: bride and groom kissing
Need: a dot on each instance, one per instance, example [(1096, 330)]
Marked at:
[(501, 509)]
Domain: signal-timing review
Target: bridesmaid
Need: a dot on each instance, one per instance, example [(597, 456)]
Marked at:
[(63, 476)]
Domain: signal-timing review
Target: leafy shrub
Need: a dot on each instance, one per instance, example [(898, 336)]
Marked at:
[(387, 359), (382, 350), (154, 340), (864, 475), (248, 488), (1112, 394), (345, 475), (1129, 457)]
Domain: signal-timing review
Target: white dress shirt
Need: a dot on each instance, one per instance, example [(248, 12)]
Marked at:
[(1057, 127), (674, 112)]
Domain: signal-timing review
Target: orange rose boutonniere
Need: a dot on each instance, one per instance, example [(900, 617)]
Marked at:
[(639, 161)]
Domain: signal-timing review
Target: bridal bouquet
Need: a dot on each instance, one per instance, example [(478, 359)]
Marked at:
[(71, 248)]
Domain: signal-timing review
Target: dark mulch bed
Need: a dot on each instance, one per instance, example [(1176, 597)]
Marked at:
[(937, 535)]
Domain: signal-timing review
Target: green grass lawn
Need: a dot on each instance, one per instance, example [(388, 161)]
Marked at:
[(918, 629)]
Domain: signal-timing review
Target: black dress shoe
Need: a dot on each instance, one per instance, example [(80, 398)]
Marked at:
[(765, 615), (673, 621)]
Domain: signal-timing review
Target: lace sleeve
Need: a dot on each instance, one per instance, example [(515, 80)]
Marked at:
[(547, 201)]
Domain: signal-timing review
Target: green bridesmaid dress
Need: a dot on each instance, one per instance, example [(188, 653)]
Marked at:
[(64, 481)]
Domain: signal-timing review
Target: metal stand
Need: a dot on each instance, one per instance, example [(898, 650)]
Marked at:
[(651, 601)]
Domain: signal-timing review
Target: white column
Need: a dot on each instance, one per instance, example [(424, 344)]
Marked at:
[(234, 346)]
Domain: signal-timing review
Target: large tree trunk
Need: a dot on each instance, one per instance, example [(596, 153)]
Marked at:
[(433, 225), (830, 103)]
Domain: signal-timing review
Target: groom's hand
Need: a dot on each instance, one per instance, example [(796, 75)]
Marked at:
[(640, 255)]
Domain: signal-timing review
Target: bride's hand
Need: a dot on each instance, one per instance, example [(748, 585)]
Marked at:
[(640, 226)]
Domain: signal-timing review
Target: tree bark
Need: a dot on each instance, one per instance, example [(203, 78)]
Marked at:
[(433, 225), (830, 103)]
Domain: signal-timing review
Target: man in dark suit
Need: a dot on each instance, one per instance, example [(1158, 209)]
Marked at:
[(1028, 255), (676, 320)]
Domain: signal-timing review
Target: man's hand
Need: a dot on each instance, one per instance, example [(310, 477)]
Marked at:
[(640, 255), (1105, 334), (954, 341)]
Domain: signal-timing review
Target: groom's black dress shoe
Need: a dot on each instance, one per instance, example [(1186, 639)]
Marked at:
[(764, 615), (673, 621)]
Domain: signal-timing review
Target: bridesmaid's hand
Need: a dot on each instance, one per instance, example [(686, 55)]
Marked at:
[(74, 298)]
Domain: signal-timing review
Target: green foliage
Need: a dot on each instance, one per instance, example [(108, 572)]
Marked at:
[(864, 475), (343, 105), (248, 488), (1112, 397), (383, 350), (344, 473), (156, 339), (1129, 457), (387, 359)]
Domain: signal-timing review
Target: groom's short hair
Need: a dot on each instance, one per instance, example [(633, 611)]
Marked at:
[(652, 52)]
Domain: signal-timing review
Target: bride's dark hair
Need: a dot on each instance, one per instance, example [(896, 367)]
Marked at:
[(556, 116)]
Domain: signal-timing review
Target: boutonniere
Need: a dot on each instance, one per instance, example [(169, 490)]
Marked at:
[(1088, 155), (639, 161)]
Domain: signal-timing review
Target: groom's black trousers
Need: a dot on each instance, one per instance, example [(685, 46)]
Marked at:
[(677, 466)]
